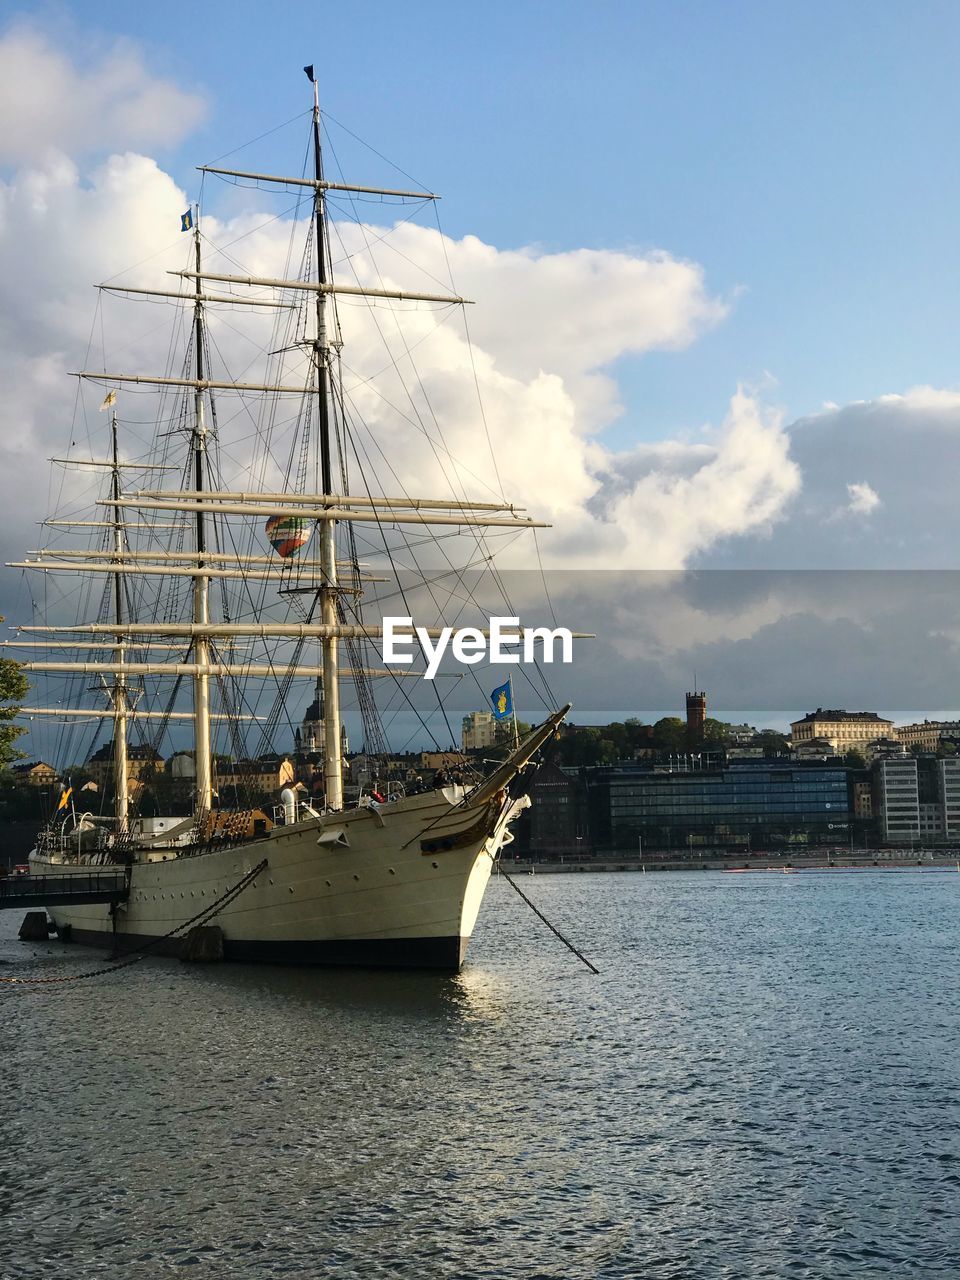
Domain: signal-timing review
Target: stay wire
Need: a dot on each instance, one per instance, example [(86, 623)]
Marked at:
[(539, 914)]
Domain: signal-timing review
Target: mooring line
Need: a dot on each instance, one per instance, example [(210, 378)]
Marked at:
[(537, 912), (141, 953)]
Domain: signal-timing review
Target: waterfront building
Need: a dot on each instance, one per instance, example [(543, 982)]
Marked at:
[(745, 753), (741, 735), (479, 730), (747, 804), (931, 822), (948, 779), (812, 749), (750, 805), (897, 799), (881, 747), (556, 821), (928, 734), (862, 799), (143, 763), (842, 729), (918, 797), (35, 774), (431, 761), (362, 769), (245, 778)]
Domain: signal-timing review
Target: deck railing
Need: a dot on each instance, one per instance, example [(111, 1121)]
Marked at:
[(60, 890)]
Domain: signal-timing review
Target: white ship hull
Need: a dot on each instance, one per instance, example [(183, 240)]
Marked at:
[(399, 885)]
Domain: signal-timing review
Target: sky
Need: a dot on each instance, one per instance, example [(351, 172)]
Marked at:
[(714, 248)]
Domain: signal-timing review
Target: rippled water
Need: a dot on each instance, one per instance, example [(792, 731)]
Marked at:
[(763, 1081)]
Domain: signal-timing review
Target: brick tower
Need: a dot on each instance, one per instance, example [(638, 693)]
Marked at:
[(696, 715)]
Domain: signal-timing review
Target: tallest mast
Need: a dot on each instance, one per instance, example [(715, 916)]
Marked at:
[(332, 761), (201, 586), (120, 692)]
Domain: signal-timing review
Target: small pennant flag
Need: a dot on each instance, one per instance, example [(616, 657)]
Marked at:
[(109, 400), (502, 701), (308, 72), (186, 221)]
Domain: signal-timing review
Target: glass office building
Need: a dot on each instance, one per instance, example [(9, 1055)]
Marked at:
[(743, 804)]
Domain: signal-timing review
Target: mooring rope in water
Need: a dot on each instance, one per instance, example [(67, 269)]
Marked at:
[(566, 942), (141, 953)]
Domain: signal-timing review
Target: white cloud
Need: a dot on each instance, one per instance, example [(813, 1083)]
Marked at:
[(689, 496), (106, 98), (900, 513), (546, 334), (545, 393), (863, 499), (542, 342), (750, 491)]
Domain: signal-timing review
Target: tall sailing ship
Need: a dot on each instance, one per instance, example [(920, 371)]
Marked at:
[(177, 596)]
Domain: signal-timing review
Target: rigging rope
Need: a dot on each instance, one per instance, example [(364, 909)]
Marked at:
[(537, 912)]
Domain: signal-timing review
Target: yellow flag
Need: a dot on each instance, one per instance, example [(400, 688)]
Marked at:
[(109, 399), (65, 799)]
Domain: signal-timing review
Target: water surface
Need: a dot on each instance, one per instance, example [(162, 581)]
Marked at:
[(763, 1081)]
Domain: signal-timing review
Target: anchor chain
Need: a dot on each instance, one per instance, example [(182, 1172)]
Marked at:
[(141, 953), (566, 942)]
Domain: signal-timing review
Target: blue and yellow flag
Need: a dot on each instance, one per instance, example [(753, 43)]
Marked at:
[(502, 700), (65, 798), (186, 221)]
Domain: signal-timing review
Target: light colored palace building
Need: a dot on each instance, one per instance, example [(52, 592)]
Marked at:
[(270, 774), (842, 729), (143, 762), (927, 735), (35, 774)]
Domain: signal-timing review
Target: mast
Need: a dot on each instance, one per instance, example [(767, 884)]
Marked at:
[(329, 645), (201, 582), (120, 701)]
